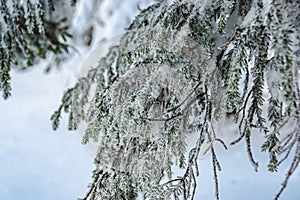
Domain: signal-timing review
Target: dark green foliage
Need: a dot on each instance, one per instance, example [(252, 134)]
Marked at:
[(225, 10), (271, 145), (178, 15), (5, 63), (145, 17), (275, 112), (200, 30), (244, 7)]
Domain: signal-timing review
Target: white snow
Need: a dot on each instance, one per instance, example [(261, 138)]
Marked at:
[(36, 162)]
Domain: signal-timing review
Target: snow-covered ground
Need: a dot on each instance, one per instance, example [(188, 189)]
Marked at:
[(37, 163)]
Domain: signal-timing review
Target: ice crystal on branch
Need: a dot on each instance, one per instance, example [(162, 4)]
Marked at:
[(177, 69)]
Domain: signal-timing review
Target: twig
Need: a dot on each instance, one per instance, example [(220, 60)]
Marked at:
[(246, 82), (230, 40), (215, 163), (243, 108), (194, 186), (292, 168), (238, 140), (160, 119), (185, 99), (93, 186), (222, 142), (280, 127), (285, 157), (286, 140), (249, 151)]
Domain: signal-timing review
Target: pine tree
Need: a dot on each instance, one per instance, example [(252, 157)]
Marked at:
[(179, 67)]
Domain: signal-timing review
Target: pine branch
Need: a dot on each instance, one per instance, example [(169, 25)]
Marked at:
[(204, 59)]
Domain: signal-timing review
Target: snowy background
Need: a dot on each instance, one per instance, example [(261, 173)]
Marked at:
[(37, 163)]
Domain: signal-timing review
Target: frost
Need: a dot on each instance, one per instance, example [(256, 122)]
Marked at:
[(158, 98), (273, 80)]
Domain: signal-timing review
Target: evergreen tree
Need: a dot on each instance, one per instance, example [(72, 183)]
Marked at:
[(179, 67)]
